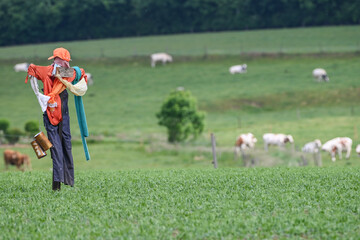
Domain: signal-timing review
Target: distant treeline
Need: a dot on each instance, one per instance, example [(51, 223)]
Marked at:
[(36, 21)]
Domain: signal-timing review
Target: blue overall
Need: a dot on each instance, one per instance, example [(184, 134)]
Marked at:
[(60, 137)]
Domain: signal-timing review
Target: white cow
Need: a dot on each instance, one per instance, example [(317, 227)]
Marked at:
[(21, 67), (320, 75), (89, 78), (276, 139), (338, 145), (244, 141), (358, 149), (160, 57), (312, 147), (238, 69)]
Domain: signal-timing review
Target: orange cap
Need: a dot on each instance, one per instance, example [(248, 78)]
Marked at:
[(61, 53)]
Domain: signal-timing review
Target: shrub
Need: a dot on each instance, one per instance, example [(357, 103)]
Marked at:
[(13, 135), (179, 114), (4, 125), (32, 127)]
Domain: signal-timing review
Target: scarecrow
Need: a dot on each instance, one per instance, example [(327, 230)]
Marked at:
[(54, 104)]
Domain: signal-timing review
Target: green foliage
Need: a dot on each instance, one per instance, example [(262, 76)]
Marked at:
[(13, 135), (263, 203), (4, 125), (179, 114), (32, 127), (73, 20)]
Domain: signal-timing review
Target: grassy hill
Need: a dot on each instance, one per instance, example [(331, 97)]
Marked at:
[(297, 40)]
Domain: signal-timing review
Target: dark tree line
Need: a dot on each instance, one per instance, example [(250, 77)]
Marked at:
[(35, 21)]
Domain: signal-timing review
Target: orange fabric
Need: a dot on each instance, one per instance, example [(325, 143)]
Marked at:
[(52, 88), (58, 87), (61, 53)]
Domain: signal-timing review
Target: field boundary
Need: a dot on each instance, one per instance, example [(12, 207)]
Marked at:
[(189, 58)]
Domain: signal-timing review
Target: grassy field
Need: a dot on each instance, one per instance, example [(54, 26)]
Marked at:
[(277, 94), (272, 203), (137, 186), (299, 40)]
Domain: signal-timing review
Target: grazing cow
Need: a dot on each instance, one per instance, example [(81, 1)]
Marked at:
[(244, 141), (320, 75), (160, 57), (90, 79), (338, 145), (276, 139), (21, 67), (15, 158), (312, 147), (358, 149), (238, 69)]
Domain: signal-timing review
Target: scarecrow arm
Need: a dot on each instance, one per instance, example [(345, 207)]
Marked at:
[(79, 89)]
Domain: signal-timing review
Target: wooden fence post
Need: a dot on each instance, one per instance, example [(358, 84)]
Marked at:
[(213, 145)]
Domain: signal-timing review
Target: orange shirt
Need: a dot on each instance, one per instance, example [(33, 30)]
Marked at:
[(52, 87)]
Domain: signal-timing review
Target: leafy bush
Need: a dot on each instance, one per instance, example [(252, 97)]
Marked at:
[(4, 125), (32, 127), (13, 135), (180, 115)]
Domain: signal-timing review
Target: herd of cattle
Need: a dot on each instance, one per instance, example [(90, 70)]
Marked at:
[(334, 146), (319, 74)]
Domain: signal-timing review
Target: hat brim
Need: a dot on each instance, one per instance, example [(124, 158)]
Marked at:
[(60, 58)]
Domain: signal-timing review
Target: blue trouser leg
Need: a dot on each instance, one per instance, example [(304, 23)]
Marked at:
[(66, 142), (60, 137), (56, 150)]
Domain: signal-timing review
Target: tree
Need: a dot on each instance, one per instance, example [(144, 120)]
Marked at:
[(31, 127), (4, 125), (13, 135), (179, 114)]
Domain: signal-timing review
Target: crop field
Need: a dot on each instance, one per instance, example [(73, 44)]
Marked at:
[(138, 186), (280, 203)]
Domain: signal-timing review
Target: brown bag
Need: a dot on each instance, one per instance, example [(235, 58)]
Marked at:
[(40, 144)]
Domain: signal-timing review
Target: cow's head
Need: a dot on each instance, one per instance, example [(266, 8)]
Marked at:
[(317, 143), (334, 149), (239, 142), (289, 139), (325, 78), (358, 150)]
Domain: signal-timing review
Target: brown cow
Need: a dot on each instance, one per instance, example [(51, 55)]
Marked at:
[(16, 158)]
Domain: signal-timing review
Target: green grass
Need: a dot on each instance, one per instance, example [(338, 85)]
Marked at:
[(298, 40), (280, 203)]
